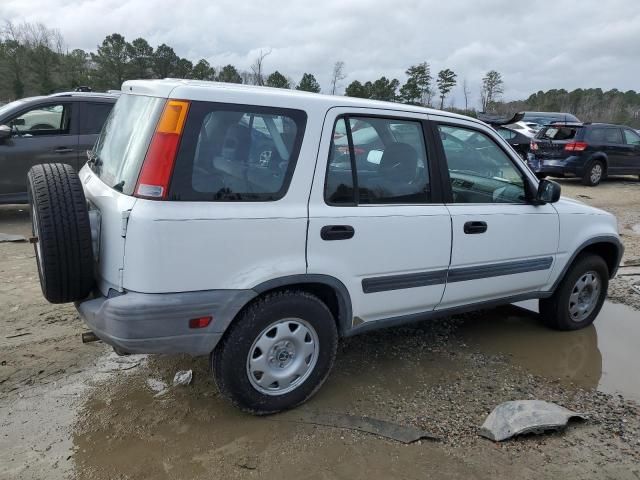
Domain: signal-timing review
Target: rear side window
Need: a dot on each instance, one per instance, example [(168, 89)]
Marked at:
[(93, 117), (123, 142), (377, 161), (632, 138), (605, 135), (237, 153)]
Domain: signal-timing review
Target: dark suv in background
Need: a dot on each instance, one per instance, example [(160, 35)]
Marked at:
[(58, 128), (591, 151)]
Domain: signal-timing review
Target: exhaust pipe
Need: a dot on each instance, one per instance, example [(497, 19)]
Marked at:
[(88, 337)]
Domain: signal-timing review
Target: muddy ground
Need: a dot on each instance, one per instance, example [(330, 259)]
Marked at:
[(69, 410)]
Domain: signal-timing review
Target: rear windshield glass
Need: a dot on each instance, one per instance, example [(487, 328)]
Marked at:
[(123, 142), (237, 153), (558, 133), (542, 118)]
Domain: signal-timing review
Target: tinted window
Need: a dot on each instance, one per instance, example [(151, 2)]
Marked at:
[(389, 159), (479, 170), (631, 137), (605, 135), (94, 116), (43, 120), (237, 153), (123, 142)]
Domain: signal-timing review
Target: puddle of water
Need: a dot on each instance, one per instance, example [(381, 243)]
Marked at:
[(599, 356)]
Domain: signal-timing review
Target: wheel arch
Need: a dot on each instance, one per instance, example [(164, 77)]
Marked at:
[(600, 156), (609, 247), (327, 288)]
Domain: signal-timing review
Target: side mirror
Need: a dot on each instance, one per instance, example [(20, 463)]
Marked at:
[(548, 192), (5, 132)]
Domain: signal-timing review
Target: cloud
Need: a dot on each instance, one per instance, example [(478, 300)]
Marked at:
[(535, 45)]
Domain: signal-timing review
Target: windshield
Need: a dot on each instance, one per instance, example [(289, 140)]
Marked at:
[(10, 106), (123, 142), (542, 118)]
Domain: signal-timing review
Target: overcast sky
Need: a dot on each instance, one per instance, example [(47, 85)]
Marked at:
[(536, 45)]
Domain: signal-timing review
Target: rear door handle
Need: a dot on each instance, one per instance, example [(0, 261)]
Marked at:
[(63, 150), (337, 232), (471, 228)]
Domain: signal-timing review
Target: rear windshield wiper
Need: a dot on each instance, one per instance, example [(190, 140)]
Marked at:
[(119, 186)]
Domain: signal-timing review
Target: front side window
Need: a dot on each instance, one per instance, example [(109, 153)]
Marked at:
[(43, 120), (631, 137), (479, 170), (377, 161), (237, 153)]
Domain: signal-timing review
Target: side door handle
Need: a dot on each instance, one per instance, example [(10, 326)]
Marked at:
[(63, 150), (471, 228), (337, 232)]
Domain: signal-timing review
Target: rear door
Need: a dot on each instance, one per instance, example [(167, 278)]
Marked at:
[(377, 221), (632, 151), (43, 134), (503, 246), (616, 150)]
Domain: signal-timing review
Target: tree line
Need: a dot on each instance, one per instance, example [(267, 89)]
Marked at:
[(34, 61)]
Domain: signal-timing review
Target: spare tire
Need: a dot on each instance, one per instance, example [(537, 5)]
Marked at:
[(60, 221)]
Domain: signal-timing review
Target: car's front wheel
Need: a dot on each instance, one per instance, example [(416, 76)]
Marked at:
[(579, 297), (277, 354)]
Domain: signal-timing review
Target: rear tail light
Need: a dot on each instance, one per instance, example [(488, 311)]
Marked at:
[(533, 146), (153, 182), (575, 146)]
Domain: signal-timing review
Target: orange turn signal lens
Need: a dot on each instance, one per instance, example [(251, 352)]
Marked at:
[(173, 117)]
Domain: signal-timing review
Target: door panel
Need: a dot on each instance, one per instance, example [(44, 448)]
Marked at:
[(393, 249), (502, 246), (46, 135)]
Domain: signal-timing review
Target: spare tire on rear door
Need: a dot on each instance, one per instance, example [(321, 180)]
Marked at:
[(60, 221)]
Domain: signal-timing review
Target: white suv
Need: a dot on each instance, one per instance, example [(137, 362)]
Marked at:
[(258, 225)]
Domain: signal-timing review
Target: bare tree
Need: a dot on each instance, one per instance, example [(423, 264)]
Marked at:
[(466, 92), (337, 75), (257, 67)]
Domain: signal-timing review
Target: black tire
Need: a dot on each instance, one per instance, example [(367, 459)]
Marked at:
[(590, 177), (554, 310), (60, 221), (230, 359)]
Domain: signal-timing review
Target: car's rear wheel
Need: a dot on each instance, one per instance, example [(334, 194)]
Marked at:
[(579, 297), (60, 222), (594, 174), (277, 354)]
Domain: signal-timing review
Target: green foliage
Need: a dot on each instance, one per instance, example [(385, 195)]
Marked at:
[(309, 84), (384, 89), (74, 68), (417, 90), (358, 90), (165, 61), (184, 68), (203, 71), (112, 61), (446, 81), (229, 74), (140, 58), (277, 80)]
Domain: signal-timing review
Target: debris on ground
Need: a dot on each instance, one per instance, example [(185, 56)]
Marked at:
[(394, 431), (525, 416), (636, 288), (9, 237), (157, 386), (183, 377)]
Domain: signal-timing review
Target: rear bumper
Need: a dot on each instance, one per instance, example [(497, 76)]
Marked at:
[(569, 166), (159, 323)]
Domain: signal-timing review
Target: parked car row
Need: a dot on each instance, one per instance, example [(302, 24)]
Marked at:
[(57, 128)]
